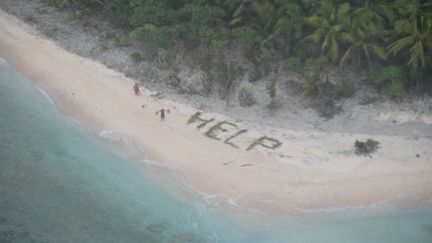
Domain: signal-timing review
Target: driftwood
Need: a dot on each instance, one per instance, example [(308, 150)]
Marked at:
[(366, 148)]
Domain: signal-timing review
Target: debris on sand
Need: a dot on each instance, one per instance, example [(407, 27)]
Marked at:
[(366, 148)]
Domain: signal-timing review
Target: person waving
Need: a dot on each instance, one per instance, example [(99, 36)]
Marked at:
[(162, 113)]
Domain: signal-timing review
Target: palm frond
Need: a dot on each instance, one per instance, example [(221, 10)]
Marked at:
[(334, 49), (346, 56), (398, 45), (417, 54), (326, 42), (315, 36), (366, 52), (344, 8), (314, 21), (348, 37), (379, 51), (240, 8), (235, 21)]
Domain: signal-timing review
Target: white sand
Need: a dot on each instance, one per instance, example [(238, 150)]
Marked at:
[(310, 170)]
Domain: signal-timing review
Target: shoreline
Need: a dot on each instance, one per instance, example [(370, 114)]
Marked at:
[(309, 170)]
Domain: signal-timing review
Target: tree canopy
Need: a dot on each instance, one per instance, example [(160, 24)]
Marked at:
[(396, 33)]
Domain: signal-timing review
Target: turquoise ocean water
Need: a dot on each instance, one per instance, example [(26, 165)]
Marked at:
[(61, 183)]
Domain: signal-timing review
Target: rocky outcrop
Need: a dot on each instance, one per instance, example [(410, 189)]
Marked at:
[(155, 228), (246, 98), (192, 81)]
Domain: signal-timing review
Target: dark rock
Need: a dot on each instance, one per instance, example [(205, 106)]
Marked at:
[(173, 80), (327, 108), (193, 82), (155, 228), (246, 98)]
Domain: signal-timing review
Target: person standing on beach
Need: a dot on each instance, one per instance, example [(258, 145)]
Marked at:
[(136, 89), (162, 113)]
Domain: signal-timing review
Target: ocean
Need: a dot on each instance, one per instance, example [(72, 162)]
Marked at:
[(61, 182)]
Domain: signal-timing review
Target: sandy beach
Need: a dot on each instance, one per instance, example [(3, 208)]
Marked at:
[(306, 170)]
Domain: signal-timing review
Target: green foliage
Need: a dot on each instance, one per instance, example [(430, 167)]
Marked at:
[(226, 77), (104, 46), (318, 83), (345, 88), (234, 11), (361, 41), (262, 65), (270, 22), (295, 25), (275, 143), (391, 80), (206, 65), (152, 38), (194, 22), (247, 35), (75, 16), (260, 70), (414, 33), (293, 64), (313, 85), (378, 13), (304, 49), (56, 3), (328, 25), (194, 117), (120, 41), (318, 65), (327, 92), (396, 88), (271, 88), (267, 24), (344, 31)]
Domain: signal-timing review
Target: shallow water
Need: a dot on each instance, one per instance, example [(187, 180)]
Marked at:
[(61, 183)]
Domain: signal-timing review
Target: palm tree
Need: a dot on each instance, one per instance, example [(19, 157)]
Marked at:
[(234, 10), (377, 12), (362, 38), (329, 25), (415, 33), (271, 21)]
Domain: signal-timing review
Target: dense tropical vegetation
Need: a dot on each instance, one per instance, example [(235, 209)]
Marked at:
[(390, 41)]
